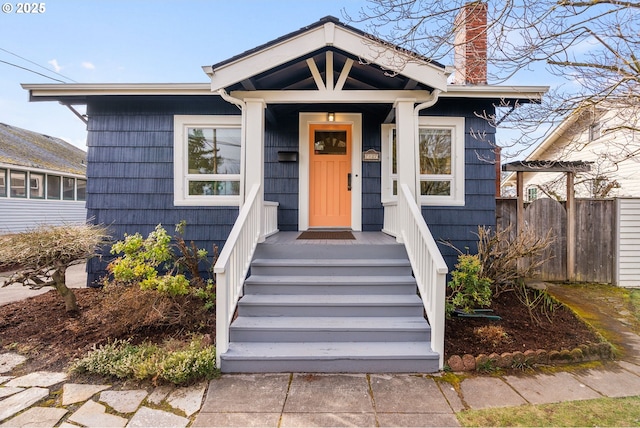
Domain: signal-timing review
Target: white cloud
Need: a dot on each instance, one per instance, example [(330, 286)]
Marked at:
[(88, 65), (55, 65)]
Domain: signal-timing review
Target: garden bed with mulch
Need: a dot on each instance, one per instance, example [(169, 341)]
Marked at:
[(551, 337), (40, 328)]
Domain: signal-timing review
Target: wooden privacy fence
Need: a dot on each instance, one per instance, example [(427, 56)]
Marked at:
[(606, 237)]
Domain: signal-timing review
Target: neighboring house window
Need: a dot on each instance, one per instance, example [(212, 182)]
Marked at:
[(54, 184), (207, 160), (440, 161), (18, 183), (68, 188), (594, 131), (3, 182), (532, 194), (81, 190), (36, 185)]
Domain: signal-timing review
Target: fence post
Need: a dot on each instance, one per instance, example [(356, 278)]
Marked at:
[(571, 228)]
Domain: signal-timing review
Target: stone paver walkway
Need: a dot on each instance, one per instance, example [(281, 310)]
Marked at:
[(288, 400), (47, 399)]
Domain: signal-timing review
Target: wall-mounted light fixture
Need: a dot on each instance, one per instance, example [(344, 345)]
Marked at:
[(331, 117)]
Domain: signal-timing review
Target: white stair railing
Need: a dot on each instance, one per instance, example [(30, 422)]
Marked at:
[(233, 264), (429, 268), (269, 219)]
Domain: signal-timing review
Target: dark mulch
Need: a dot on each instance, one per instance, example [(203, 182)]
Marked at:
[(40, 328), (562, 331)]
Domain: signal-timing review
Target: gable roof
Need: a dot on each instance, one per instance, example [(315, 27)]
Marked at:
[(549, 141), (329, 34), (312, 64), (25, 148)]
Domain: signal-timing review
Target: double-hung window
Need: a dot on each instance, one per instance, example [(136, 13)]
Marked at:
[(207, 160), (3, 182), (439, 153)]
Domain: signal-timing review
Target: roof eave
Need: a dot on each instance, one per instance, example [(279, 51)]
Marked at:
[(497, 92), (78, 92)]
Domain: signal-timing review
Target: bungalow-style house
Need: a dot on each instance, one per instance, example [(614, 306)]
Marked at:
[(42, 181), (595, 135), (325, 129)]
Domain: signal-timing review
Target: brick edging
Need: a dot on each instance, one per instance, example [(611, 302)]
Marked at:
[(583, 353)]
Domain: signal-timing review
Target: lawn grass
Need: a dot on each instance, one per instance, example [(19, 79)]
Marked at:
[(602, 412)]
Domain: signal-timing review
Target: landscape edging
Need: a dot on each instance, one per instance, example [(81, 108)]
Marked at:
[(530, 358)]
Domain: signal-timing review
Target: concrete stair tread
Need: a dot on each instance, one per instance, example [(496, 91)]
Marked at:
[(329, 350), (332, 299), (331, 251), (330, 262), (331, 323), (333, 280)]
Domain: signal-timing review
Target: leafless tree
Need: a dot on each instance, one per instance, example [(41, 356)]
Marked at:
[(592, 44)]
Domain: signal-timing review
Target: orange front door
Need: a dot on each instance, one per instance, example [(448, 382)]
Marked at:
[(329, 175)]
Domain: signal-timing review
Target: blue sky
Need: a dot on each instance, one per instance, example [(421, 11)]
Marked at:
[(131, 41)]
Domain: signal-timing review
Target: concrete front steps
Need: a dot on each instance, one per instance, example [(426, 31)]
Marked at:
[(330, 308)]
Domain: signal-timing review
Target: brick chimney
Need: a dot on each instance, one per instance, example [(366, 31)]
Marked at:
[(470, 55)]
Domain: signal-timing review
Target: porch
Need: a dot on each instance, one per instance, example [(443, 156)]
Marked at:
[(360, 238), (345, 305)]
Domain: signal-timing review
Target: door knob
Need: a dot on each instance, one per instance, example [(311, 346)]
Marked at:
[(349, 181)]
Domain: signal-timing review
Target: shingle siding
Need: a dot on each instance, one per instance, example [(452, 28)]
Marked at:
[(281, 178), (458, 225), (130, 172), (372, 210)]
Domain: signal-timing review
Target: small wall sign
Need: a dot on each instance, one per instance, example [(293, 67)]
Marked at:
[(371, 155)]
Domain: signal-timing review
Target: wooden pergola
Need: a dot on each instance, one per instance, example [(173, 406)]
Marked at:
[(570, 169)]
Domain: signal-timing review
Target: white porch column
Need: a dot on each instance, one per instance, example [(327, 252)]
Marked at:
[(406, 147), (254, 149), (405, 141)]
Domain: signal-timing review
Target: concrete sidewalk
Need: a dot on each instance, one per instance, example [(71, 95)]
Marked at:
[(294, 399), (290, 400)]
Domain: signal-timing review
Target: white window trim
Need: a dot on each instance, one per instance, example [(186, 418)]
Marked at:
[(181, 196), (456, 125), (387, 159)]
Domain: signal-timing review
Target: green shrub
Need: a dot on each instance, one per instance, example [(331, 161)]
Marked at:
[(122, 360), (469, 290), (141, 260)]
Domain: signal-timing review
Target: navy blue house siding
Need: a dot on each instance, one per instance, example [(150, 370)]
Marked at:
[(130, 170), (458, 225)]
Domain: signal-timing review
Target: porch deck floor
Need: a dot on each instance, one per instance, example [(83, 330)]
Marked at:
[(362, 238)]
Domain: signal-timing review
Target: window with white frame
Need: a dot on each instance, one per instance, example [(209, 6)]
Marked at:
[(54, 184), (36, 185), (207, 160), (439, 159), (18, 180), (594, 131), (68, 188), (3, 182)]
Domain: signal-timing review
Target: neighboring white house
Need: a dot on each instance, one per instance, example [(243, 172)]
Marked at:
[(42, 180), (596, 135)]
